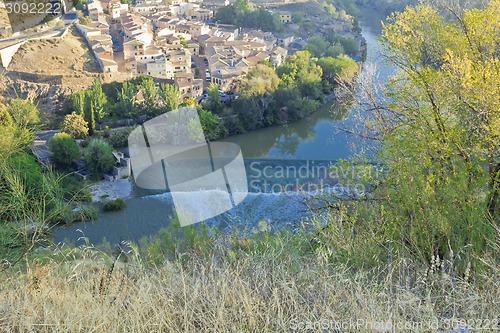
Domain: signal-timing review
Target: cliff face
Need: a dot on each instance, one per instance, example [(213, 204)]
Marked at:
[(48, 97)]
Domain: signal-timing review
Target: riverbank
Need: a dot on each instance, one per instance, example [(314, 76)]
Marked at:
[(111, 190)]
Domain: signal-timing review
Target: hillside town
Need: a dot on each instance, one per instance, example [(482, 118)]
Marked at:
[(182, 42)]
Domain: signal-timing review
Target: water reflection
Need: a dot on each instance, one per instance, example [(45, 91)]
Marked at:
[(313, 137)]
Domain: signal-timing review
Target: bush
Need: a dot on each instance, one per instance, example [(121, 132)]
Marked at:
[(119, 138), (65, 149), (78, 214), (75, 125), (99, 158), (75, 190), (114, 205)]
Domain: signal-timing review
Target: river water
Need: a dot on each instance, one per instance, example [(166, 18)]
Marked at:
[(307, 143)]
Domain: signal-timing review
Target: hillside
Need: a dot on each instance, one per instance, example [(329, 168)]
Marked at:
[(68, 56)]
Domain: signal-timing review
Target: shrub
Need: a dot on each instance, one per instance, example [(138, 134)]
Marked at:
[(75, 190), (65, 149), (99, 157), (78, 214), (114, 205), (119, 138), (75, 125)]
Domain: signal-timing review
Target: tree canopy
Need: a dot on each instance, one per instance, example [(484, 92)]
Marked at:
[(438, 124), (75, 125)]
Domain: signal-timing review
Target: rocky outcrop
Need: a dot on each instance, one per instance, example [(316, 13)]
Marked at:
[(48, 93)]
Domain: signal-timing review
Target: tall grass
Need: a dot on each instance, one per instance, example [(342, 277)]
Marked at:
[(266, 282)]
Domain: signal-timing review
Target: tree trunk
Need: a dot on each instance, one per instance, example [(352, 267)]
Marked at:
[(494, 187)]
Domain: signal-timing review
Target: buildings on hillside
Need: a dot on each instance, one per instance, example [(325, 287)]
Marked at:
[(163, 38)]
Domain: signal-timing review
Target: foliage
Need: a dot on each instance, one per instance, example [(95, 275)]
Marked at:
[(23, 112), (75, 125), (150, 94), (340, 69), (92, 105), (118, 138), (213, 101), (317, 46), (64, 148), (334, 50), (241, 15), (96, 101), (114, 205), (99, 158), (170, 96), (77, 102), (226, 14), (269, 97), (347, 43), (84, 20), (75, 190), (438, 130), (260, 80), (189, 102), (13, 137), (301, 72), (212, 128), (5, 117), (298, 17), (126, 98)]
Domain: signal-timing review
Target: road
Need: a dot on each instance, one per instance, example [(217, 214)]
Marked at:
[(49, 32)]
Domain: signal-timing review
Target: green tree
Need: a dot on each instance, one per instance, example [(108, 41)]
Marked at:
[(308, 75), (298, 17), (23, 113), (334, 50), (226, 15), (242, 6), (90, 117), (213, 102), (340, 69), (189, 102), (259, 85), (150, 93), (170, 96), (64, 148), (78, 102), (260, 80), (212, 128), (438, 127), (99, 158), (96, 101), (317, 46), (127, 97), (75, 125), (348, 43)]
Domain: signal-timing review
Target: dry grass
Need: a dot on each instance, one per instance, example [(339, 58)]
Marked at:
[(227, 291), (68, 57)]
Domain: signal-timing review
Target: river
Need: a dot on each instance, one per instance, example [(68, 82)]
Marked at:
[(309, 141)]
